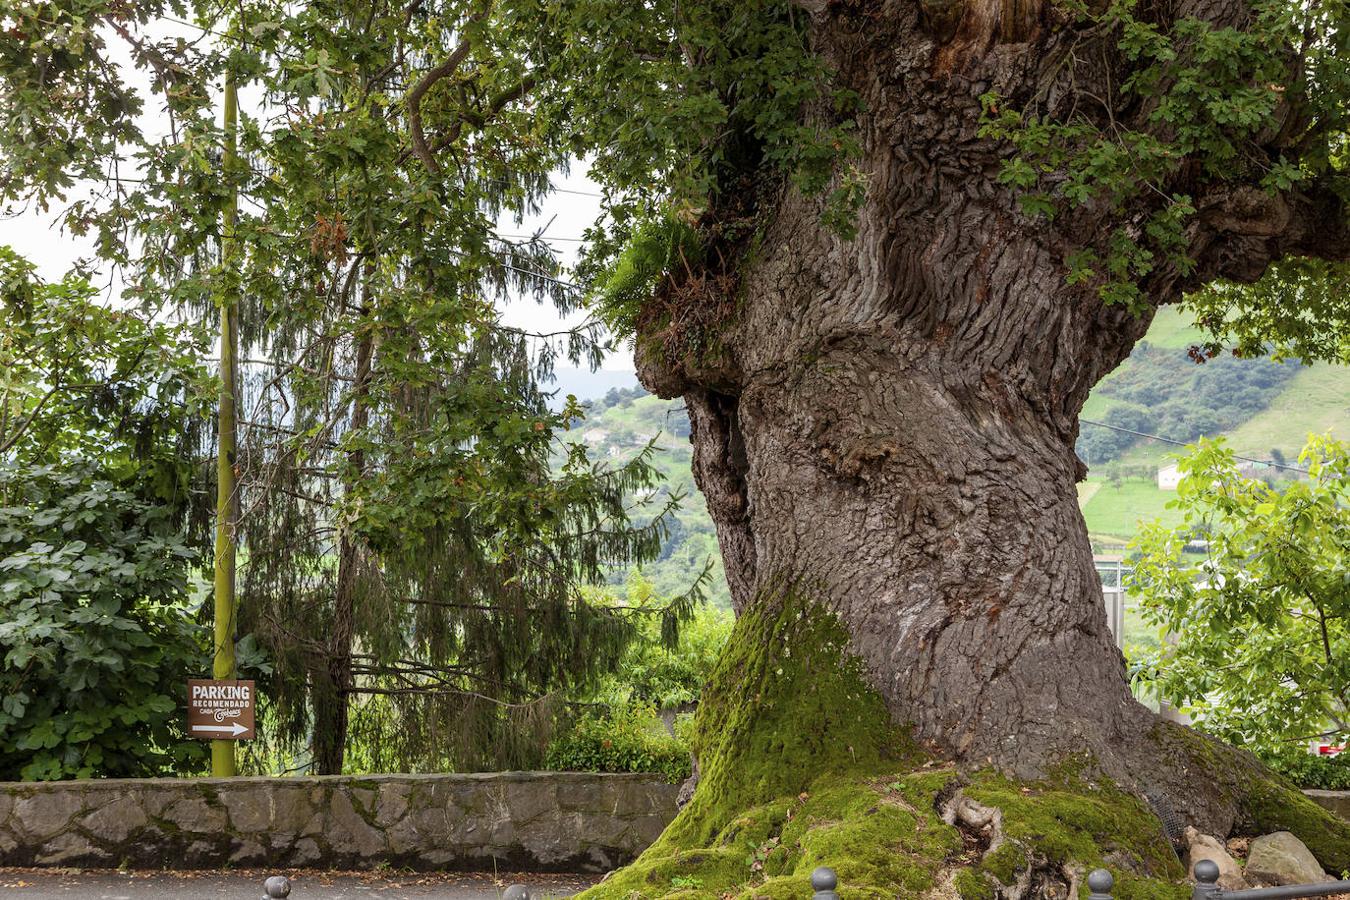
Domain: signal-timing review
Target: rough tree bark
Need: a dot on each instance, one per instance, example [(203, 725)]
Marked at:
[(888, 423)]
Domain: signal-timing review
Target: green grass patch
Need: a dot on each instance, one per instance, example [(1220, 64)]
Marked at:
[(1115, 510)]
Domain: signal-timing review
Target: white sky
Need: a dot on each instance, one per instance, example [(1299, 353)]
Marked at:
[(37, 236)]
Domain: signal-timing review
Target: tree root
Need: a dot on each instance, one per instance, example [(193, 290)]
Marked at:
[(801, 767)]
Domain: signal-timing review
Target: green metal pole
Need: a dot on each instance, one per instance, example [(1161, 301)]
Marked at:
[(223, 665)]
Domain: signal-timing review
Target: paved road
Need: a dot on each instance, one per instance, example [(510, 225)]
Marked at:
[(247, 885)]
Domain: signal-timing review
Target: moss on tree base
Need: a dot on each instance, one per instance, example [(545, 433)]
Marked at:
[(886, 835), (802, 767)]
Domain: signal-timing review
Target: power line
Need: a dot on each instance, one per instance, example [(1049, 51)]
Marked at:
[(1263, 462), (541, 237)]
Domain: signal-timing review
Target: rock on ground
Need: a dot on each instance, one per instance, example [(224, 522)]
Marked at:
[(1281, 858), (1202, 846)]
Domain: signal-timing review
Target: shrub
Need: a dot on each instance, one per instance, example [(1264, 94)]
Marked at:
[(1328, 773), (627, 739)]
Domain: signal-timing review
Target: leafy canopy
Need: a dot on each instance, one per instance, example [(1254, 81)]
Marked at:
[(1258, 647)]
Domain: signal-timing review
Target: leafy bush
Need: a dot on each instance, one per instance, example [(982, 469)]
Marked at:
[(627, 739), (665, 678), (96, 637), (1328, 773)]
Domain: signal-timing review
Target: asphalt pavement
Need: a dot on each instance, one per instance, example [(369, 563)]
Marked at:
[(71, 884)]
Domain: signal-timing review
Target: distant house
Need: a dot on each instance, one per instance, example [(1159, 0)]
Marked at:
[(1168, 477), (594, 436)]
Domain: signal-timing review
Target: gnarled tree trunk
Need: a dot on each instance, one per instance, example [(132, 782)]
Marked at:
[(888, 424)]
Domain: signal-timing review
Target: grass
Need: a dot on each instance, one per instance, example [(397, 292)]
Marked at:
[(1317, 400), (1173, 328), (1116, 510)]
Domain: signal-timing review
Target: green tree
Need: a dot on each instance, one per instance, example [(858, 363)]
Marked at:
[(101, 534), (1259, 627), (925, 231), (403, 531)]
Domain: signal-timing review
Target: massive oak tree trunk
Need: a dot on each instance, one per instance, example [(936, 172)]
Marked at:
[(886, 424)]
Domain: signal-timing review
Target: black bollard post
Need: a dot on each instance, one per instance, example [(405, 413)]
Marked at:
[(824, 882), (1206, 881), (1100, 883), (276, 887)]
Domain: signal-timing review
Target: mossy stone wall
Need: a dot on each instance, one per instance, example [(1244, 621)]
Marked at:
[(522, 821)]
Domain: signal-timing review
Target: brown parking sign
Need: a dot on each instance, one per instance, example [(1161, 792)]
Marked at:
[(220, 710)]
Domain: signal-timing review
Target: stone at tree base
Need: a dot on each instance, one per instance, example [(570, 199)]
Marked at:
[(1281, 858), (1203, 846)]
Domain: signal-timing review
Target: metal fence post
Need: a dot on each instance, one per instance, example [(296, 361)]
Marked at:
[(1206, 881), (276, 887), (1100, 883), (824, 882)]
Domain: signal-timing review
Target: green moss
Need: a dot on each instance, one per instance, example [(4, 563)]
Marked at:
[(1274, 805), (802, 768), (972, 884), (786, 703), (1066, 820)]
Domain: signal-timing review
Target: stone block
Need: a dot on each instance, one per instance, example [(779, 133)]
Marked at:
[(47, 813), (249, 808), (392, 804), (115, 817), (524, 802), (245, 852), (71, 849), (349, 834), (197, 816), (291, 808), (305, 853)]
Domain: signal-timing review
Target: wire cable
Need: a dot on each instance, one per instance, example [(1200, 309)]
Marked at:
[(1263, 462)]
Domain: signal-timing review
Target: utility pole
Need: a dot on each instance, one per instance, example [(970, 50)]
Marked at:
[(227, 506)]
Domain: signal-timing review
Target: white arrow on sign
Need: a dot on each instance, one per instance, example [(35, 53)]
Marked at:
[(234, 728)]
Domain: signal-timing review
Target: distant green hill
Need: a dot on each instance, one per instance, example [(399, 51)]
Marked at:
[(1263, 408)]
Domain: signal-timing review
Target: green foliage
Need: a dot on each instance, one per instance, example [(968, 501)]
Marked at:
[(1298, 309), (654, 248), (404, 535), (627, 739), (1164, 392), (100, 534), (654, 673), (1260, 636), (1308, 770), (97, 634), (1198, 103)]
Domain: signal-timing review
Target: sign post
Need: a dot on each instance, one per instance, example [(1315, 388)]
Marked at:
[(220, 710)]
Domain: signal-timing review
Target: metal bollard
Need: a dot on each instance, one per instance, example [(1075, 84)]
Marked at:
[(516, 892), (276, 887), (1100, 883), (824, 882), (1206, 880)]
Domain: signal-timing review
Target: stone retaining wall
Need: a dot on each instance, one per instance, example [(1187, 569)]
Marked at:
[(1335, 801), (518, 821)]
